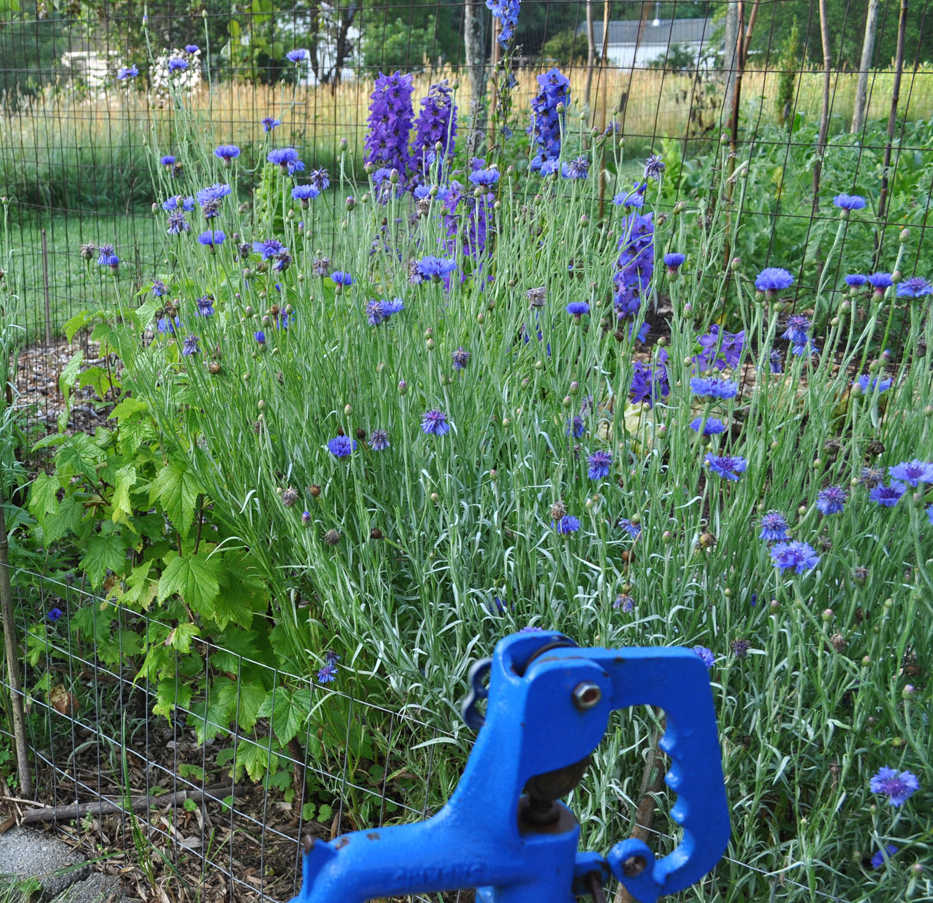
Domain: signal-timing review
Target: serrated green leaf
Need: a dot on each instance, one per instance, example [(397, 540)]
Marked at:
[(122, 506), (194, 578), (43, 497), (98, 379), (169, 694), (176, 489), (140, 589), (287, 710), (129, 407), (104, 551), (67, 519), (252, 694), (253, 757), (77, 322), (180, 637)]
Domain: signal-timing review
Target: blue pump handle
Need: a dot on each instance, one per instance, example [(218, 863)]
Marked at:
[(537, 722)]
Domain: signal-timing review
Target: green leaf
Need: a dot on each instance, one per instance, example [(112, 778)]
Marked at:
[(98, 379), (287, 710), (252, 695), (194, 578), (181, 636), (140, 589), (122, 506), (177, 491), (169, 694), (253, 757), (66, 520), (77, 322), (105, 551), (69, 375), (43, 497), (129, 407)]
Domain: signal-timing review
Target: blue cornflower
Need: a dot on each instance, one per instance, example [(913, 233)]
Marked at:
[(319, 179), (773, 279), (212, 237), (632, 198), (673, 262), (711, 426), (849, 201), (633, 530), (868, 384), (127, 72), (577, 168), (649, 383), (773, 527), (299, 55), (915, 287), (379, 311), (190, 346), (327, 674), (168, 325), (726, 466), (434, 423), (714, 388), (568, 524), (797, 332), (578, 308), (433, 268), (209, 198), (341, 446), (177, 223), (107, 257), (227, 152), (913, 472), (776, 362), (831, 500), (721, 349), (705, 655), (171, 205), (880, 281), (54, 614), (287, 158), (460, 358), (800, 556), (626, 603), (191, 48), (269, 248), (341, 279), (177, 64), (205, 306), (378, 440), (159, 288), (270, 123), (897, 786), (879, 857), (856, 280), (304, 193), (484, 177), (888, 496), (599, 463), (167, 160), (930, 514), (575, 427), (260, 336)]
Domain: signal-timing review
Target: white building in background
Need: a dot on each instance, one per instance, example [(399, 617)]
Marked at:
[(91, 67), (627, 49)]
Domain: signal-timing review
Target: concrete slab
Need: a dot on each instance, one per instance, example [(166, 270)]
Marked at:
[(96, 888), (25, 853)]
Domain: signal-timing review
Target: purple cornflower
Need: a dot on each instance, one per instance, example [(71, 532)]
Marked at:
[(341, 446), (599, 463), (654, 168), (506, 12), (177, 64), (190, 346), (888, 496), (831, 500), (205, 305), (107, 257), (304, 193), (673, 262), (171, 205), (341, 279), (797, 555), (797, 332), (649, 383), (328, 673), (177, 223), (626, 603), (209, 199), (705, 655), (54, 614), (191, 48), (868, 384), (913, 472), (849, 202), (773, 280), (390, 116), (633, 530), (711, 426), (577, 168), (287, 158), (298, 55), (319, 179), (568, 524), (435, 124), (434, 423), (211, 238), (168, 325), (460, 358), (713, 388), (721, 349), (159, 288), (260, 337), (269, 248), (635, 263), (915, 287), (578, 308), (270, 123), (897, 786), (227, 152), (546, 120), (379, 311), (575, 427), (378, 440), (776, 362), (856, 280), (484, 178), (726, 466), (773, 527), (880, 856), (127, 72), (634, 198), (880, 281), (167, 160), (432, 268)]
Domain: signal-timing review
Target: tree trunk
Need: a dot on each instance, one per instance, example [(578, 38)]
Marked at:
[(475, 49), (730, 56), (868, 53), (590, 53)]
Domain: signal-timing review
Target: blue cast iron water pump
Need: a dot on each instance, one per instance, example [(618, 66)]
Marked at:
[(504, 830)]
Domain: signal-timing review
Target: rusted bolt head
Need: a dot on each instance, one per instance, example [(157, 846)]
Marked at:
[(586, 695)]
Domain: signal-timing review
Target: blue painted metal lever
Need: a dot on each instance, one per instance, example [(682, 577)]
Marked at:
[(503, 831)]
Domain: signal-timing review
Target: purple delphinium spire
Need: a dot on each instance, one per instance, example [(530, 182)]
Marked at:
[(650, 383), (436, 124), (546, 120), (635, 264), (390, 115), (721, 349), (506, 11)]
